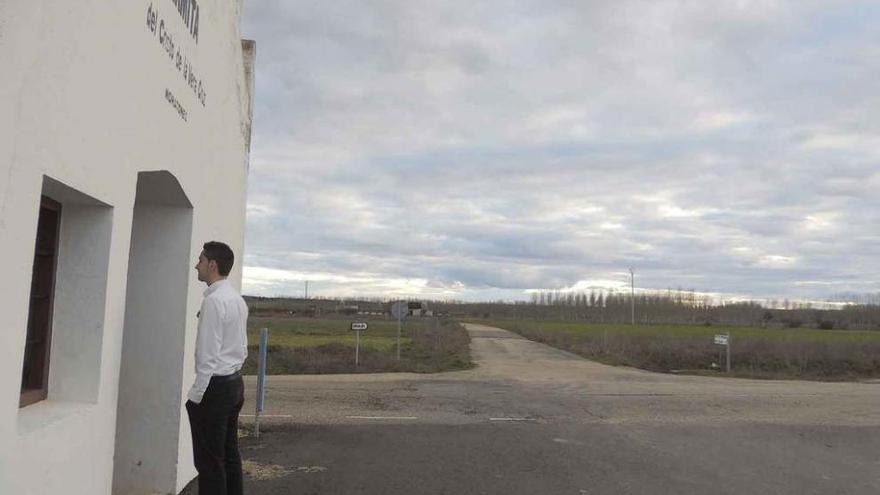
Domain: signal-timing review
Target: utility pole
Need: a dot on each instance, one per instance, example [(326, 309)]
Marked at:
[(307, 290), (632, 287)]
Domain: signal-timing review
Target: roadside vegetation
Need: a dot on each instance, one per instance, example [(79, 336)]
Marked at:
[(327, 345), (651, 308), (828, 355)]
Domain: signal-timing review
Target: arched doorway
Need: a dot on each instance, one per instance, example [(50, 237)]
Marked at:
[(151, 368)]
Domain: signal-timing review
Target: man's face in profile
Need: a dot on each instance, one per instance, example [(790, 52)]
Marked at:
[(203, 267)]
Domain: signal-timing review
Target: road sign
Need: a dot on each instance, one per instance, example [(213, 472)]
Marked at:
[(724, 339), (357, 327), (399, 309)]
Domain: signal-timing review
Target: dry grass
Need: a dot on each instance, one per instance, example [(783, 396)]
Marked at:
[(426, 348), (756, 353), (262, 472)]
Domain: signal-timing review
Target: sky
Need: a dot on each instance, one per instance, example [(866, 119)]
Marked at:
[(484, 150)]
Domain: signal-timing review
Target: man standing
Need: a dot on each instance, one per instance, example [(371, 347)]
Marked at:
[(217, 395)]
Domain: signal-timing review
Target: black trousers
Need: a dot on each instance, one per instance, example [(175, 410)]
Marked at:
[(214, 425)]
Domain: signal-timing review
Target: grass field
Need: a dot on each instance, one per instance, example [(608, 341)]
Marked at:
[(327, 345), (692, 331), (756, 352), (311, 332)]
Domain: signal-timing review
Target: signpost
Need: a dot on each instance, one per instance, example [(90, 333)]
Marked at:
[(358, 327), (261, 379), (399, 310), (724, 340)]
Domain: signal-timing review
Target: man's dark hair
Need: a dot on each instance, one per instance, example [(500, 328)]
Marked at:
[(222, 254)]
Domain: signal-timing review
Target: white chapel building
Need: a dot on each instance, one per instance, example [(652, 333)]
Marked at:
[(124, 140)]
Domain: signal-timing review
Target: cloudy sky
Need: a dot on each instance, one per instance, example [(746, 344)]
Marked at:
[(483, 149)]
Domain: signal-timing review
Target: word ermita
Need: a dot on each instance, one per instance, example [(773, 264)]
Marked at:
[(189, 11)]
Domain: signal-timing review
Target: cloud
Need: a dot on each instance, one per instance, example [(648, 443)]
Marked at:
[(486, 149)]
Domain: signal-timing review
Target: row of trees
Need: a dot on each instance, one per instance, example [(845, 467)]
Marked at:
[(598, 299), (672, 307)]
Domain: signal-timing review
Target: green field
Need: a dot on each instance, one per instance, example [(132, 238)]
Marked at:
[(312, 332), (327, 345), (755, 352), (687, 331)]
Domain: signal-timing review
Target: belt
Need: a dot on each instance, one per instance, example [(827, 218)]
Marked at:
[(226, 378)]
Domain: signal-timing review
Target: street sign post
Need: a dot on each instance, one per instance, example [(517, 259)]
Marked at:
[(399, 310), (724, 340), (358, 327), (261, 379)]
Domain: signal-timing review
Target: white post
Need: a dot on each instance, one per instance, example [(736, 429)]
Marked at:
[(357, 348), (728, 352), (399, 323)]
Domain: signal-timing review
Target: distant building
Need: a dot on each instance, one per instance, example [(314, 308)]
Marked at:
[(419, 308), (124, 141), (348, 309)]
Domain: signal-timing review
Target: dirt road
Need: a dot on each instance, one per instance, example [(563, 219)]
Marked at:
[(532, 419)]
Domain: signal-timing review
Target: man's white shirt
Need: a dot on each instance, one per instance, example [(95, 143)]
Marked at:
[(221, 343)]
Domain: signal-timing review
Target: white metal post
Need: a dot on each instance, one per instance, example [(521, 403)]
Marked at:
[(728, 352), (399, 323)]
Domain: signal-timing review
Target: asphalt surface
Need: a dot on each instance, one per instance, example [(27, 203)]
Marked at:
[(531, 419)]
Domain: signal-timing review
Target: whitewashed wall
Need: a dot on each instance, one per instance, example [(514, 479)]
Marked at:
[(84, 106)]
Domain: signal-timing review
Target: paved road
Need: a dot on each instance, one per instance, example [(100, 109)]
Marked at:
[(531, 419)]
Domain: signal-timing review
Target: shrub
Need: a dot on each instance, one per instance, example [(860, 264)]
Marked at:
[(751, 356)]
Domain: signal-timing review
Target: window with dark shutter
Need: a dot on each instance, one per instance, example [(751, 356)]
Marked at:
[(35, 373)]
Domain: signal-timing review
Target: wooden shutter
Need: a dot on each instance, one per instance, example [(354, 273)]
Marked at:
[(35, 373)]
